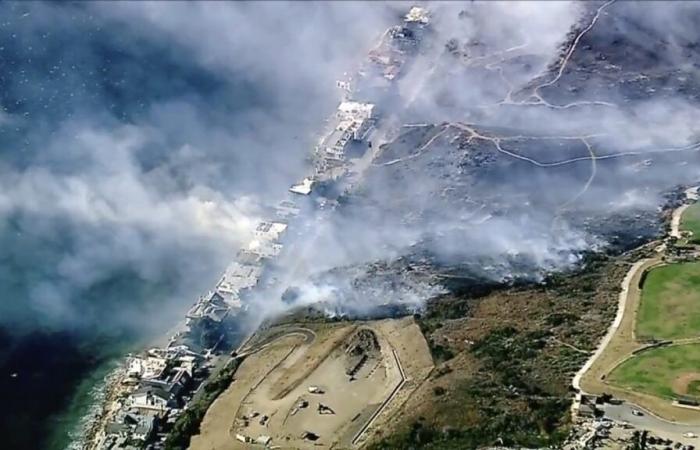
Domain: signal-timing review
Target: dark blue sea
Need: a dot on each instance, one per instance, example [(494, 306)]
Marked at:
[(128, 163)]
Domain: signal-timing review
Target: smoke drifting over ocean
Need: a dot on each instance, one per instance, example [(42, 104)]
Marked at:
[(142, 140), (144, 137), (155, 137)]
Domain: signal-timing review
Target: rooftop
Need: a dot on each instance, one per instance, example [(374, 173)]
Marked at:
[(264, 248), (238, 277), (270, 230), (418, 15), (355, 110), (303, 188)]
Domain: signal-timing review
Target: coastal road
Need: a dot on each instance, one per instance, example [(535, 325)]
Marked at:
[(619, 342), (656, 425), (690, 194), (615, 325)]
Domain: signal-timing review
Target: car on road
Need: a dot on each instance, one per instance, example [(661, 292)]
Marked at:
[(690, 435), (637, 412)]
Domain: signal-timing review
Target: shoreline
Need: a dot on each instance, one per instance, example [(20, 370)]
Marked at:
[(229, 297), (95, 427), (87, 432)]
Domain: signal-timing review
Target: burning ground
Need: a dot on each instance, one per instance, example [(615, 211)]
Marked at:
[(515, 163), (531, 149)]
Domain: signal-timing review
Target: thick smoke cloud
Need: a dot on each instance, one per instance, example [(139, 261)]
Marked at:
[(141, 141), (143, 138), (622, 92), (208, 111)]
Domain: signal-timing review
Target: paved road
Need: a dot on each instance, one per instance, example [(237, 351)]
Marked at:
[(658, 426), (308, 335), (622, 302)]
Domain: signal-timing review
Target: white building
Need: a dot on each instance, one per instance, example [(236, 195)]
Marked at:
[(287, 209), (152, 398), (151, 367), (417, 15), (303, 188), (270, 231), (354, 121), (265, 244), (265, 248), (238, 278), (211, 306), (355, 110)]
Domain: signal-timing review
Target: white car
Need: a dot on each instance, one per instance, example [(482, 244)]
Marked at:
[(637, 412), (690, 435)]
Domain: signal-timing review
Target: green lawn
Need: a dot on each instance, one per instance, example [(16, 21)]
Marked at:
[(655, 371), (670, 304), (690, 221)]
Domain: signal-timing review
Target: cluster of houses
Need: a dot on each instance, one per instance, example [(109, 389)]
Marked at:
[(353, 121), (158, 384), (388, 59), (348, 127), (241, 277)]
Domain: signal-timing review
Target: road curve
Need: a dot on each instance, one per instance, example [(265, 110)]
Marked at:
[(308, 335), (621, 304)]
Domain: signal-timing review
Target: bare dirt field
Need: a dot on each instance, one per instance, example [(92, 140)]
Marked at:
[(327, 388)]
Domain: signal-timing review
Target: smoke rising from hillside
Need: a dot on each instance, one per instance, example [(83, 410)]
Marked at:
[(142, 138), (153, 133)]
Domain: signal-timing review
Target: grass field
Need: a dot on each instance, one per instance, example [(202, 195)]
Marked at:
[(670, 304), (690, 221), (665, 371)]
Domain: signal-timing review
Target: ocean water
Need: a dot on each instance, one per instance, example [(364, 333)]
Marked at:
[(66, 316), (128, 164), (50, 365), (78, 292)]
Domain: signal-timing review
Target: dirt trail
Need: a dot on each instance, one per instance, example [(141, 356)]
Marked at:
[(682, 383), (571, 51)]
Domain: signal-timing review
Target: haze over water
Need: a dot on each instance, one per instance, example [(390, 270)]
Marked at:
[(119, 198)]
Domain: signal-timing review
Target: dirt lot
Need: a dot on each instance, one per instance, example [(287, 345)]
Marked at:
[(218, 422), (359, 372)]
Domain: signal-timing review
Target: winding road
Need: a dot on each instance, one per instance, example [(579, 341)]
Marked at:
[(622, 329)]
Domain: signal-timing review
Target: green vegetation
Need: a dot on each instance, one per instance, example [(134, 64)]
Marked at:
[(512, 353), (439, 352), (690, 221), (660, 371), (508, 430), (187, 425), (670, 304), (502, 403)]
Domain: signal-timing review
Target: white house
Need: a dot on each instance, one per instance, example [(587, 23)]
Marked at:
[(152, 398)]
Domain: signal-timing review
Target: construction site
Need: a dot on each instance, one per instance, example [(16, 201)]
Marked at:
[(329, 385)]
